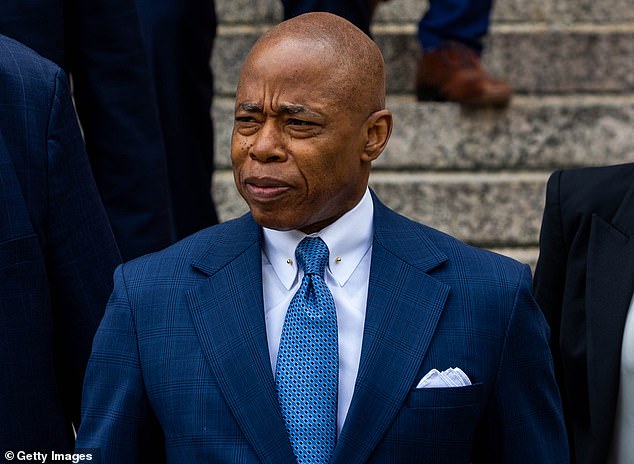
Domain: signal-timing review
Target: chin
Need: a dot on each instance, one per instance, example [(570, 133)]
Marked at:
[(272, 221)]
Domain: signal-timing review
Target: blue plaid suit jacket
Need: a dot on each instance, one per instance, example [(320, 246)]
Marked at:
[(57, 254), (183, 349), (99, 43)]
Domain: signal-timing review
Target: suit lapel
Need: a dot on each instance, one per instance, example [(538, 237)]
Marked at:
[(404, 305), (228, 314), (609, 287)]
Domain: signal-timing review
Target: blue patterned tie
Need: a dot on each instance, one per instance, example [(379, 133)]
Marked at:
[(308, 360)]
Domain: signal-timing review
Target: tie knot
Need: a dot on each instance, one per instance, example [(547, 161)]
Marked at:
[(312, 255)]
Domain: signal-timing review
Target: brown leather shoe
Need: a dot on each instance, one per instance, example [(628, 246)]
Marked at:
[(453, 73)]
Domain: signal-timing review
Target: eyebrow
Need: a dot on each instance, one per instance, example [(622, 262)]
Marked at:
[(250, 107), (287, 108)]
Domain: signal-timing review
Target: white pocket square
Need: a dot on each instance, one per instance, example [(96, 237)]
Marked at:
[(452, 377)]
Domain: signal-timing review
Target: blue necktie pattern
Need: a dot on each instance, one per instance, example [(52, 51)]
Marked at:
[(307, 369)]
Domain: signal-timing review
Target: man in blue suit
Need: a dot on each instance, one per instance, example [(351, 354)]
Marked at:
[(99, 44), (57, 255), (440, 353)]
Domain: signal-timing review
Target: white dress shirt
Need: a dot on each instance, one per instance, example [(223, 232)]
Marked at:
[(349, 241), (623, 443)]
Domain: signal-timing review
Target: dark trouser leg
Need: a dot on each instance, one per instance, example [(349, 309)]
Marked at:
[(179, 38)]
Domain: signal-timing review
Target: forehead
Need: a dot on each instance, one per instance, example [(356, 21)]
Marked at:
[(291, 65), (288, 50)]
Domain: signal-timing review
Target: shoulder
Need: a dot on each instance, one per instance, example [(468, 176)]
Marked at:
[(482, 287), (21, 67), (442, 254), (208, 249), (29, 87), (476, 265), (591, 189)]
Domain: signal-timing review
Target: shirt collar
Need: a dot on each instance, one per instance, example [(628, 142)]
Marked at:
[(348, 240)]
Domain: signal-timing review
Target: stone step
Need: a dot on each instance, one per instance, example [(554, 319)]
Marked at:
[(409, 11), (477, 175), (534, 133), (501, 212), (535, 59), (551, 11), (495, 210)]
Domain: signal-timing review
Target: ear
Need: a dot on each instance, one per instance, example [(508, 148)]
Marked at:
[(378, 129)]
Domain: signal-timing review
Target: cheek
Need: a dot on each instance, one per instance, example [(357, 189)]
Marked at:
[(239, 145), (239, 152), (326, 185)]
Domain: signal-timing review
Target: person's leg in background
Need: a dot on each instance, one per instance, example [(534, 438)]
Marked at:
[(450, 35), (179, 37), (358, 12)]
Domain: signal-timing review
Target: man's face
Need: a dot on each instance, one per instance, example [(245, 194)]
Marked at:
[(297, 143)]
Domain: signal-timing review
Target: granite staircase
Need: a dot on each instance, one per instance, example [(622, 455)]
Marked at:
[(477, 174)]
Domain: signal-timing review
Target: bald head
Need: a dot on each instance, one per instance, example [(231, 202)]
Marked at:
[(354, 62), (310, 118)]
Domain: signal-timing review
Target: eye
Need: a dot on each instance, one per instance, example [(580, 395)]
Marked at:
[(245, 119), (299, 122), (302, 128), (246, 124)]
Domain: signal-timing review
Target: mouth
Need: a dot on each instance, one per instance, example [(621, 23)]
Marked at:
[(265, 188)]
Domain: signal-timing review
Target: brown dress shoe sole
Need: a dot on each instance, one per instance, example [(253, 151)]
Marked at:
[(431, 94)]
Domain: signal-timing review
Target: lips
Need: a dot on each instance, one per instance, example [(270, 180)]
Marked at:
[(265, 188)]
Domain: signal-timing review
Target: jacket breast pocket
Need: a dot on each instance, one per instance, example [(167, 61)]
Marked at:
[(445, 398), (435, 425)]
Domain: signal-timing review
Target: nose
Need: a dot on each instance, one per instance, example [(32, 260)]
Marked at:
[(268, 144)]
